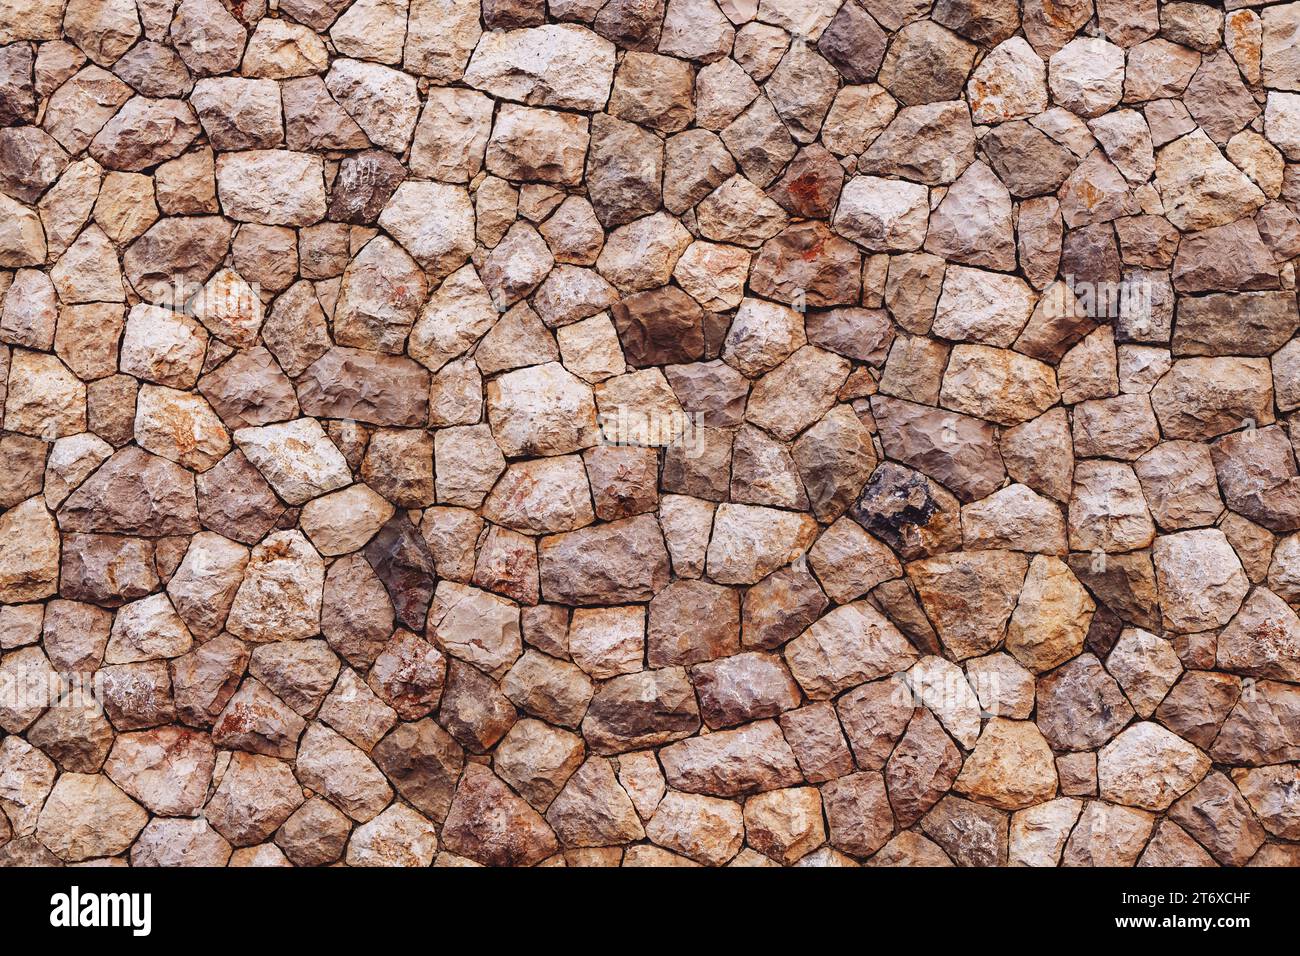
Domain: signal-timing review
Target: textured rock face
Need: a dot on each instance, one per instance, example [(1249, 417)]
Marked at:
[(490, 824), (1011, 766), (87, 816), (1149, 767), (650, 432)]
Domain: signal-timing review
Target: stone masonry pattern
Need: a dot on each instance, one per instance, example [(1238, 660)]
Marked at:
[(649, 432)]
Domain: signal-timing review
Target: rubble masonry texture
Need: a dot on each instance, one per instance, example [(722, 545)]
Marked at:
[(649, 432)]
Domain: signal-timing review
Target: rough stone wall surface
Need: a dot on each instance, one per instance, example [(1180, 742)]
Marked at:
[(649, 432)]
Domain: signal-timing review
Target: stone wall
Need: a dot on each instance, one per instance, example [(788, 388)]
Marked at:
[(633, 432)]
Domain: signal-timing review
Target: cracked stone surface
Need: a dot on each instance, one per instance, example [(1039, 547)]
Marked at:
[(698, 432)]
